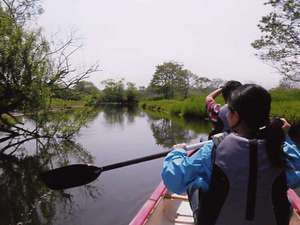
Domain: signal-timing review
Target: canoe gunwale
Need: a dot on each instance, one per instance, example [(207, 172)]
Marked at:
[(147, 209)]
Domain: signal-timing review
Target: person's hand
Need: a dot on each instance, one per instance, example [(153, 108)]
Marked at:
[(286, 126), (183, 146)]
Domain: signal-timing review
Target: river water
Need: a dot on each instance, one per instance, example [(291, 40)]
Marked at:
[(113, 135)]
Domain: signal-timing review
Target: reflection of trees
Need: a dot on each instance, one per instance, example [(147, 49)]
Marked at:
[(199, 126), (22, 159), (62, 125), (114, 114), (117, 114), (21, 188), (29, 200), (167, 133), (132, 113)]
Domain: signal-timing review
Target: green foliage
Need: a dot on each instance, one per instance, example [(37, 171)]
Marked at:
[(171, 80), (185, 81), (162, 106), (61, 103), (194, 107), (191, 107), (288, 95), (280, 40), (23, 64), (165, 77), (287, 109), (132, 93), (115, 91), (284, 104), (86, 88), (32, 71), (82, 91)]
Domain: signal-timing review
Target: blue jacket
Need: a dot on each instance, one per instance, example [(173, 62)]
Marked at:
[(181, 172)]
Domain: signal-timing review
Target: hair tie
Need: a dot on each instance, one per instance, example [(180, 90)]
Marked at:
[(262, 128), (261, 132)]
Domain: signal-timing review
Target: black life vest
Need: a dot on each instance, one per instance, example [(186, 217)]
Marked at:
[(244, 187)]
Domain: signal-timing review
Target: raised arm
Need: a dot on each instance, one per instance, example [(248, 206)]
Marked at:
[(214, 94)]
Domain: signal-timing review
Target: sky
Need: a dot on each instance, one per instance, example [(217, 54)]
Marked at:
[(129, 38)]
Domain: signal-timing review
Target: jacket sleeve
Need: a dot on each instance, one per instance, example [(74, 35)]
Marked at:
[(293, 161), (181, 172)]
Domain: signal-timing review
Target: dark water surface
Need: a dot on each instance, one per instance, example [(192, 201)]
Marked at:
[(113, 135), (116, 136)]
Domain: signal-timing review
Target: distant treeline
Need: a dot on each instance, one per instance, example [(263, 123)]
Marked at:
[(170, 81)]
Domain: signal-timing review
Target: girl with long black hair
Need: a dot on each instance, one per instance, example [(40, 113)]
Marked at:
[(244, 178)]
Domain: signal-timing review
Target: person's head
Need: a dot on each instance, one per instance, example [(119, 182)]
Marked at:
[(251, 104), (228, 87), (249, 114)]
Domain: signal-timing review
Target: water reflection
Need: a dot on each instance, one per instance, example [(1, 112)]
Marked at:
[(30, 202), (178, 130), (48, 141), (24, 199), (167, 133), (117, 114)]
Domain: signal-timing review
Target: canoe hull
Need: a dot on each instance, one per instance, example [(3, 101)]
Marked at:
[(169, 209), (164, 208)]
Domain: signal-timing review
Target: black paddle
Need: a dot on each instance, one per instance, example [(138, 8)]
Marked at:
[(81, 174)]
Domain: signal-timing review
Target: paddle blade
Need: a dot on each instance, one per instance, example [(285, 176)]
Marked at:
[(70, 176)]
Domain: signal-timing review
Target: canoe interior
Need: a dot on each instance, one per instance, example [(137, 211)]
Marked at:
[(295, 219), (164, 208), (174, 209), (171, 209)]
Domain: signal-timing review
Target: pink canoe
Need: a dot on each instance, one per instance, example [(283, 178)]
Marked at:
[(165, 208)]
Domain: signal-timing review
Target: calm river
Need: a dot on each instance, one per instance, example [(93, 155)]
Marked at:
[(114, 135)]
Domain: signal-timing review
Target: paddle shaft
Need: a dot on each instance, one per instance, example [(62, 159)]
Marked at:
[(81, 174), (148, 158)]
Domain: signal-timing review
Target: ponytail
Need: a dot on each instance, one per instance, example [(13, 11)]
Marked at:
[(253, 103), (275, 138)]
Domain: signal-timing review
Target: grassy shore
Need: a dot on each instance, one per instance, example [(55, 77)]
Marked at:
[(61, 103), (284, 104), (55, 105)]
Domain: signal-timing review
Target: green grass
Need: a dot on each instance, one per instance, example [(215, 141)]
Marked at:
[(290, 95), (60, 103), (284, 104)]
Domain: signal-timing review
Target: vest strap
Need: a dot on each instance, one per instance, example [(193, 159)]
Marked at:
[(252, 180)]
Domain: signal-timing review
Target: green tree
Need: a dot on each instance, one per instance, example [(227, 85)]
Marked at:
[(31, 69), (286, 84), (164, 78), (113, 91), (279, 44), (86, 90), (132, 93), (186, 81), (86, 87)]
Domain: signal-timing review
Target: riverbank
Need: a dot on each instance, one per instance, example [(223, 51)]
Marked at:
[(284, 104), (56, 105)]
